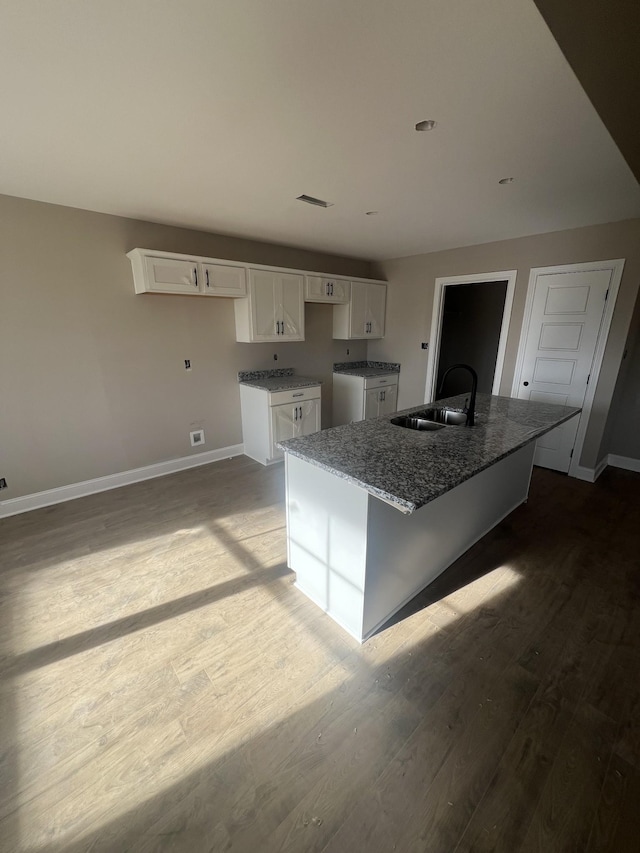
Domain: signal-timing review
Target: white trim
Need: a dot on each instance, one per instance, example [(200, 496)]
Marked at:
[(626, 462), (14, 506), (436, 323), (590, 475), (615, 267)]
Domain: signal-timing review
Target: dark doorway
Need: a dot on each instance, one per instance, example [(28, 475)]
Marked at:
[(471, 325)]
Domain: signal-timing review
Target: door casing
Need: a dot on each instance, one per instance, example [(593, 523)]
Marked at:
[(436, 323)]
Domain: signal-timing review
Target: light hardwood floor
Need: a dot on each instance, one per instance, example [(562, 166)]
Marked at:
[(166, 688)]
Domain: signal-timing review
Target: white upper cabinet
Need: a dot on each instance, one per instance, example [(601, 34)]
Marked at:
[(363, 315), (223, 280), (320, 289), (166, 275), (273, 309), (166, 272)]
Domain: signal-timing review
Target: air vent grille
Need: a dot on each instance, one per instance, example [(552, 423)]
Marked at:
[(317, 201)]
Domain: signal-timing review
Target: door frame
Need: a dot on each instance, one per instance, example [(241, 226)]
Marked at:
[(616, 268), (436, 323)]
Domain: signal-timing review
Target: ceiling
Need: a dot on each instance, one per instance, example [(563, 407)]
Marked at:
[(216, 115), (601, 45)]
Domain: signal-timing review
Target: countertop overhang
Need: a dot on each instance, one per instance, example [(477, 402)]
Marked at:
[(408, 469)]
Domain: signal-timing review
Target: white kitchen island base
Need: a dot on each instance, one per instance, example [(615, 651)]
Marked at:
[(361, 559)]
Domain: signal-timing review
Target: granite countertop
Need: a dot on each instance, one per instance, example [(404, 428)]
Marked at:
[(407, 468), (278, 379), (366, 368)]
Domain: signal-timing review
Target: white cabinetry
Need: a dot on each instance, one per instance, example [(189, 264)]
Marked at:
[(363, 315), (273, 309), (269, 417), (320, 289), (167, 272), (356, 398)]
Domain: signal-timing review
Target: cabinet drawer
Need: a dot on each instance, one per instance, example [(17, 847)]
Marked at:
[(295, 395), (380, 381)]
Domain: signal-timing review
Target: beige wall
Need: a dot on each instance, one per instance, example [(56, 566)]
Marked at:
[(622, 435), (92, 378), (410, 298)]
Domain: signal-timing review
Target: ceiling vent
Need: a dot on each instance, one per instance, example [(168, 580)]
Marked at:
[(317, 201)]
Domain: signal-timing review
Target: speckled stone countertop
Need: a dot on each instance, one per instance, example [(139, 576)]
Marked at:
[(278, 379), (366, 368), (408, 468)]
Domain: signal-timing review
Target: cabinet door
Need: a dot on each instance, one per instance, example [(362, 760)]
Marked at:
[(375, 310), (220, 280), (171, 276), (319, 289), (264, 306), (308, 417), (290, 310), (358, 313), (283, 426), (340, 290), (371, 403), (315, 289), (388, 400)]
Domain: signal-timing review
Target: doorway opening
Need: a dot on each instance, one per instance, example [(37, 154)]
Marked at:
[(469, 325)]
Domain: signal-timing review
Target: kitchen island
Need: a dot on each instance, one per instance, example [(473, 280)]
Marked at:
[(375, 511)]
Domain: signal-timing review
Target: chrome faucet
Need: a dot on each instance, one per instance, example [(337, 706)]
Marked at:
[(470, 410)]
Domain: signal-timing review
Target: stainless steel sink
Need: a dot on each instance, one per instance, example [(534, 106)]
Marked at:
[(412, 422), (444, 415), (431, 419)]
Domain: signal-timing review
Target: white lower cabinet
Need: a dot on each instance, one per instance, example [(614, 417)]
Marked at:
[(356, 398), (269, 417)]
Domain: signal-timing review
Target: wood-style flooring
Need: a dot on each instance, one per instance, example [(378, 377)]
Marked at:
[(166, 688)]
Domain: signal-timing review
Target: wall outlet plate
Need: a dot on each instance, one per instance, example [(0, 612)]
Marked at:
[(3, 483), (197, 437)]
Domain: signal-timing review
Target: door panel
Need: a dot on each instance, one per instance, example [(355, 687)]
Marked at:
[(389, 400), (172, 276), (563, 330), (309, 422), (358, 309), (283, 426), (376, 298), (263, 305), (292, 306), (371, 403)]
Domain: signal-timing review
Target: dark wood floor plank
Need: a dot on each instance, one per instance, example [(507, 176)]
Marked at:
[(569, 801), (163, 686)]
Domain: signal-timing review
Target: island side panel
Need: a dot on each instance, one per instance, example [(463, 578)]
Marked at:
[(326, 540), (406, 553)]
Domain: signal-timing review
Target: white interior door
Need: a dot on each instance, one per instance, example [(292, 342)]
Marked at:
[(565, 319)]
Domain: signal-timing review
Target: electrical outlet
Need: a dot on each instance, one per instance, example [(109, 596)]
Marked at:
[(424, 345), (3, 483), (347, 350), (196, 437), (187, 364), (275, 356)]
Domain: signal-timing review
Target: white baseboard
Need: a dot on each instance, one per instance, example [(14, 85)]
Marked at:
[(14, 506), (626, 462), (589, 475)]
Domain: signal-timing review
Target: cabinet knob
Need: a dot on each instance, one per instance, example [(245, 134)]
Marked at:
[(525, 383)]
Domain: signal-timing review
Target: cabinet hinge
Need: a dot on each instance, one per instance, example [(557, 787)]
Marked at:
[(606, 296), (571, 454), (588, 378)]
